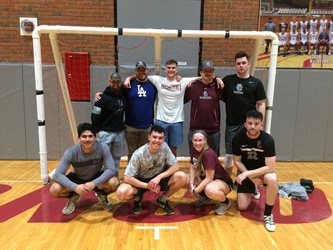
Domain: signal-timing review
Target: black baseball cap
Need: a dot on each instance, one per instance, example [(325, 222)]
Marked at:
[(141, 64)]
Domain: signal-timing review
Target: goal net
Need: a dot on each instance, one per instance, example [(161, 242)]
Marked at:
[(79, 90)]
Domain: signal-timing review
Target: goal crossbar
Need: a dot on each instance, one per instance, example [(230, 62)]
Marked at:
[(157, 35)]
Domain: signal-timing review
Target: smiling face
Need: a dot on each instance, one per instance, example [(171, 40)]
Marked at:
[(198, 141), (156, 140), (141, 73), (253, 127), (87, 140), (171, 71)]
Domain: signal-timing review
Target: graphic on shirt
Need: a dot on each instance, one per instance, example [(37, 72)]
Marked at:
[(205, 95), (172, 88), (141, 91), (239, 89)]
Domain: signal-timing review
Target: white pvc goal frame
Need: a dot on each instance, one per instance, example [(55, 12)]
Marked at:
[(156, 34)]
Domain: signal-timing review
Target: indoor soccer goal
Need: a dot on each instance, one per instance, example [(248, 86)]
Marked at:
[(157, 35)]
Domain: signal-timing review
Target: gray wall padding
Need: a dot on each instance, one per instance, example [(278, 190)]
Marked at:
[(301, 120), (13, 137)]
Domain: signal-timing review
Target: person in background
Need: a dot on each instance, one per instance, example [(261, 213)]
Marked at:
[(269, 26)]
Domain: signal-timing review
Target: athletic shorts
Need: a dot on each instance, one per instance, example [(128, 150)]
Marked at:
[(74, 178), (229, 184), (173, 132), (163, 183), (230, 132), (246, 187)]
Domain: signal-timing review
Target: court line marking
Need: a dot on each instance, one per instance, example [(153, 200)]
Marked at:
[(156, 229)]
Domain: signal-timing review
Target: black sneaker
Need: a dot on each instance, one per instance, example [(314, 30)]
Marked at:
[(165, 206), (137, 209)]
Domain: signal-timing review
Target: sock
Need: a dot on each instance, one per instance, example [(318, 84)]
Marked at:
[(163, 198), (268, 210), (137, 198)]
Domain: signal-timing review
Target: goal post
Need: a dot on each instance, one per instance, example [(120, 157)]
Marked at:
[(157, 35)]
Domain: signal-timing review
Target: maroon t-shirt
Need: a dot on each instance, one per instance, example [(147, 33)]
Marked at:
[(210, 161)]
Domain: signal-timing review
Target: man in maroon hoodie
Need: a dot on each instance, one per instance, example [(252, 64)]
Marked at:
[(205, 96)]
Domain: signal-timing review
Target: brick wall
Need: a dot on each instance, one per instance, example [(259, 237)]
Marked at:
[(218, 15), (229, 15), (16, 48)]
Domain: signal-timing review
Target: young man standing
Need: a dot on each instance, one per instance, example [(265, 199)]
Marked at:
[(108, 118), (254, 155), (205, 96), (93, 169), (242, 92), (152, 167)]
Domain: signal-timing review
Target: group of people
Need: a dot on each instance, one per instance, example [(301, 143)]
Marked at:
[(309, 35), (152, 144)]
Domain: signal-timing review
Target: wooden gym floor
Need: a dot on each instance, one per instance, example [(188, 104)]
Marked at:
[(31, 219)]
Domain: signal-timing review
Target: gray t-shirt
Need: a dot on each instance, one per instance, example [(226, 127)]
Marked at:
[(146, 165), (85, 166)]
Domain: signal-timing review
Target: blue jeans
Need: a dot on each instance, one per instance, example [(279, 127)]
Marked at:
[(116, 142), (173, 132)]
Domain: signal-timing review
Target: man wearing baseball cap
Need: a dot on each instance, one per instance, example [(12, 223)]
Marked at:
[(170, 106), (139, 114), (205, 96), (108, 118)]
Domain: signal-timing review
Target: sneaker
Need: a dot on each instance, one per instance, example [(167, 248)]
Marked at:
[(107, 205), (137, 209), (269, 223), (70, 206), (223, 208), (165, 206), (256, 194), (202, 200)]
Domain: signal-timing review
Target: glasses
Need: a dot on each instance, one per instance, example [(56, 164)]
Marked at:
[(87, 136)]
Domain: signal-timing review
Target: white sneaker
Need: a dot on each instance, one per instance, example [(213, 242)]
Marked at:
[(70, 206), (223, 208), (269, 223), (256, 194), (107, 205)]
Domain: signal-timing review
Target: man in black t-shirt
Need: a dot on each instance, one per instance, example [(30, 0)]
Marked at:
[(254, 155), (242, 92)]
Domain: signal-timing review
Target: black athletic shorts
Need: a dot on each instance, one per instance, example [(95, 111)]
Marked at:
[(74, 178), (163, 183), (246, 187)]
